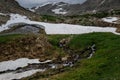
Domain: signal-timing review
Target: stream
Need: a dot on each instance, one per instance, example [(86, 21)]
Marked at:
[(32, 68), (23, 67)]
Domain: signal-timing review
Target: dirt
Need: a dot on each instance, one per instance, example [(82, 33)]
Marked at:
[(4, 19)]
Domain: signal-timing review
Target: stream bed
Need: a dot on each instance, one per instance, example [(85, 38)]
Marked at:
[(24, 67)]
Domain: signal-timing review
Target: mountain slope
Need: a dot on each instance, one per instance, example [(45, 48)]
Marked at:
[(11, 6), (100, 5), (88, 6), (33, 3)]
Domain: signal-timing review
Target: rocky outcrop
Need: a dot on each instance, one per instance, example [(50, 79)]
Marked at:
[(23, 28)]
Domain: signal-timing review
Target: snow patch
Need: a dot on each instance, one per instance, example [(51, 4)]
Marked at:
[(59, 11), (13, 75), (110, 19), (22, 62), (14, 18)]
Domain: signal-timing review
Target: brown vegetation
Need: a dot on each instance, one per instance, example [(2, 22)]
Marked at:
[(29, 46)]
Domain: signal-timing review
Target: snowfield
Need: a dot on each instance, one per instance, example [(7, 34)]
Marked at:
[(52, 28)]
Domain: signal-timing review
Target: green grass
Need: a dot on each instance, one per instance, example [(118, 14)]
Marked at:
[(54, 39), (105, 63), (7, 38), (50, 18)]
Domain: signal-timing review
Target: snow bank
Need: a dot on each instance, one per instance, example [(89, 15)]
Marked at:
[(51, 28), (22, 62), (110, 19), (13, 75), (14, 18), (74, 29), (59, 11)]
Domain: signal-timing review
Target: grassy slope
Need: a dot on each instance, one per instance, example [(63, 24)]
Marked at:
[(7, 38), (105, 63)]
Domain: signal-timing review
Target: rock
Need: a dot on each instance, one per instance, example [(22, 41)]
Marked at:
[(27, 48), (64, 58), (118, 30)]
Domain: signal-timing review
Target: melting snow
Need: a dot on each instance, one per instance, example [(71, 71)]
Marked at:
[(22, 62), (13, 75), (13, 65), (52, 28), (59, 11), (110, 19), (14, 18)]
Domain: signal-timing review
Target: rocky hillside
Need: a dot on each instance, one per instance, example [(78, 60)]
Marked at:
[(70, 9), (100, 5), (60, 8), (11, 6)]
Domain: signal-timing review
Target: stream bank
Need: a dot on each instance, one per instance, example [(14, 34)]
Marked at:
[(57, 65)]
